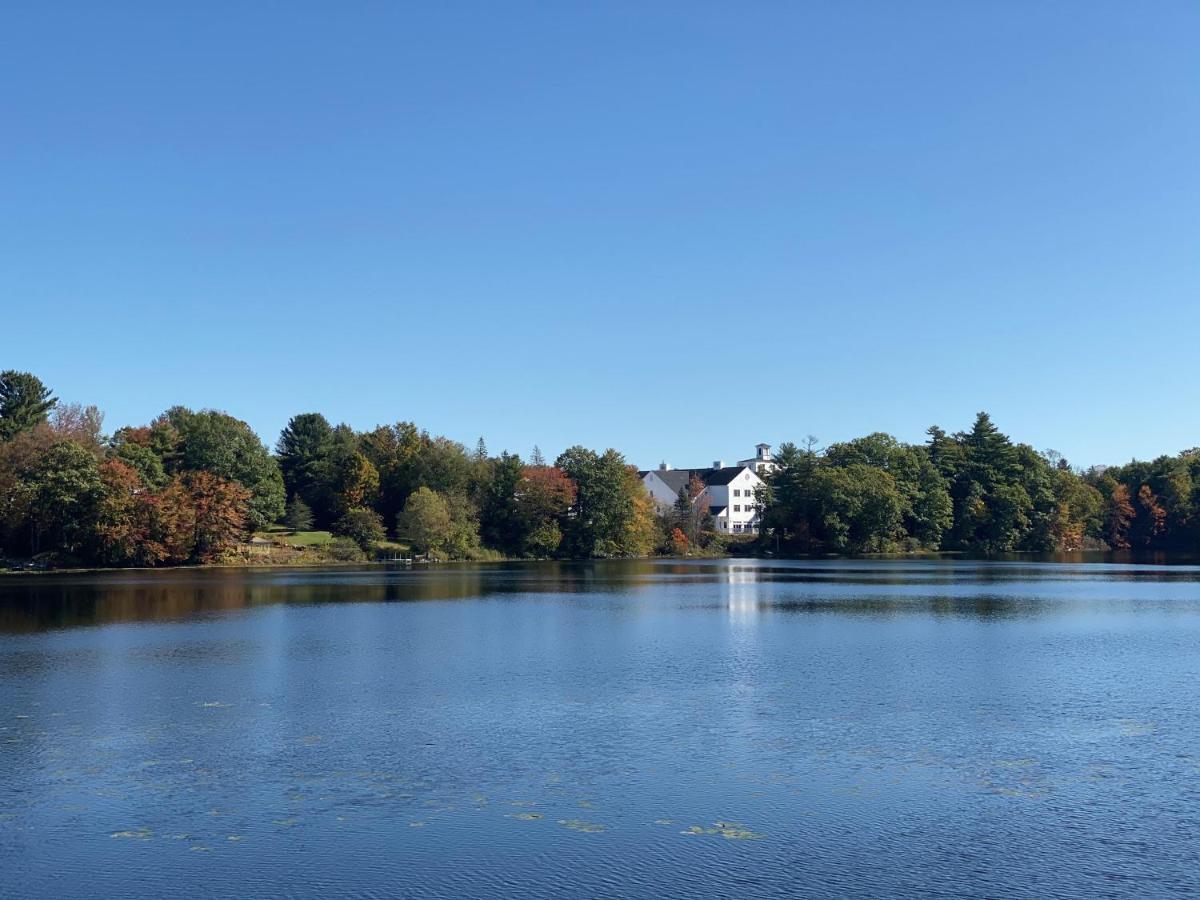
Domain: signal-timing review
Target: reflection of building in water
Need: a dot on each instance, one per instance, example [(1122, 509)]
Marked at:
[(742, 591)]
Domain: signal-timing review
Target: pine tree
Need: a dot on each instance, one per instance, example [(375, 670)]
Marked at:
[(24, 402), (681, 513), (993, 459), (299, 516)]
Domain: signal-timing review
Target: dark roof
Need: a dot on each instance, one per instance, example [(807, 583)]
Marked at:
[(721, 476), (678, 479), (717, 510), (675, 479)]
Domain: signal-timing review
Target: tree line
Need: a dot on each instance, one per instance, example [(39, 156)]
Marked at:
[(975, 491), (190, 486)]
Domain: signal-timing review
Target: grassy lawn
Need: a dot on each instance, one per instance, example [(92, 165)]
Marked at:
[(394, 547), (297, 538)]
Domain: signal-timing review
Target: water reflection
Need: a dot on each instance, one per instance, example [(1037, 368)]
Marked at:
[(646, 728), (942, 587)]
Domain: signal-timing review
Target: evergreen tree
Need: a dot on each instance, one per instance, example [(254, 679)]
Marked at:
[(500, 522), (299, 516), (681, 514), (24, 402), (304, 449), (991, 457)]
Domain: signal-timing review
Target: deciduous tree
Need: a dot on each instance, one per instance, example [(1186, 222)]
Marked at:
[(425, 522)]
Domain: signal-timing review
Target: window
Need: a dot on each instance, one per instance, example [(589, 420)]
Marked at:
[(737, 527), (737, 492), (737, 508)]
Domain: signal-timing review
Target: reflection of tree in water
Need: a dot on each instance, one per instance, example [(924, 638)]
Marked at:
[(45, 602), (948, 587)]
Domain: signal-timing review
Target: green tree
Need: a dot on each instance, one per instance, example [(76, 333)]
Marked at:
[(144, 461), (789, 502), (425, 521), (393, 451), (926, 507), (945, 453), (363, 526), (860, 508), (298, 516), (304, 449), (990, 456), (348, 479), (63, 494), (641, 534), (462, 541), (211, 441), (24, 402), (994, 511), (501, 525), (604, 503)]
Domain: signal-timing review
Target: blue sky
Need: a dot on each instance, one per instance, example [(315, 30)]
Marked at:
[(673, 228)]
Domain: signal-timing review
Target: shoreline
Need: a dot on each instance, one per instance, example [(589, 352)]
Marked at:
[(1073, 557)]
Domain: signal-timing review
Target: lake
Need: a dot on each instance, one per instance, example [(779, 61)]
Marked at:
[(650, 728)]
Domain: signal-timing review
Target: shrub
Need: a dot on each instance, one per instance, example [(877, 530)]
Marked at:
[(363, 526), (345, 549)]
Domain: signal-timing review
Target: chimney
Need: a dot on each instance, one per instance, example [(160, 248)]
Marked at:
[(718, 463), (663, 467)]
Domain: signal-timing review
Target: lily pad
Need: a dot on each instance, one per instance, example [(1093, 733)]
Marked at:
[(580, 825), (139, 834)]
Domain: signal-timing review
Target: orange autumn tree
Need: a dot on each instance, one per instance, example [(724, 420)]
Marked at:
[(1151, 516), (543, 497), (1120, 516), (121, 535), (219, 509), (679, 542)]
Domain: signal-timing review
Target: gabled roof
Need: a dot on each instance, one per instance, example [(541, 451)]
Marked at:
[(720, 476), (677, 479), (717, 510)]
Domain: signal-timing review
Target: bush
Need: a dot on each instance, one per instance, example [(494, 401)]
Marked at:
[(344, 549), (363, 526)]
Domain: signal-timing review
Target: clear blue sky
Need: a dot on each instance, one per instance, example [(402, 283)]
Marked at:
[(673, 228)]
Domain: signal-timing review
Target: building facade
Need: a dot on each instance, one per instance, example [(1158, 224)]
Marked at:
[(729, 491)]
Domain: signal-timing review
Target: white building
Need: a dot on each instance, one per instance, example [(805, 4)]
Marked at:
[(761, 462), (729, 492)]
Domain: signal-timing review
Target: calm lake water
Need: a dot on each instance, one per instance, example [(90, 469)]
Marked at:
[(653, 729)]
